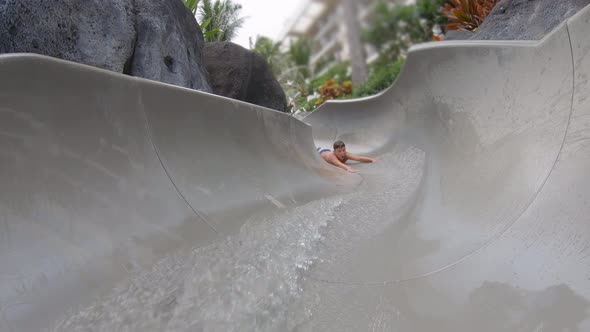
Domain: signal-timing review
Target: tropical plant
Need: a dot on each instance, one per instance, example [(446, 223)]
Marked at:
[(339, 72), (300, 54), (430, 12), (335, 83), (219, 19), (271, 52), (192, 5), (380, 78), (266, 47), (396, 28), (332, 90), (291, 68), (467, 14)]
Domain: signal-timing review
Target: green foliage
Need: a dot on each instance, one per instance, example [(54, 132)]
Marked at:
[(266, 47), (220, 19), (271, 52), (339, 73), (430, 11), (291, 68), (300, 54), (380, 78), (192, 5), (324, 62), (306, 105), (335, 83), (396, 28)]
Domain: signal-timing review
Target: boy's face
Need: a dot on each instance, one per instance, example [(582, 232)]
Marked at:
[(340, 152)]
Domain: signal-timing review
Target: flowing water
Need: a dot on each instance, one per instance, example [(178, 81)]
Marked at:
[(257, 280)]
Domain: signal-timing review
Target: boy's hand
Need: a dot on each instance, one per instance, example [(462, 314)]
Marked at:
[(351, 170)]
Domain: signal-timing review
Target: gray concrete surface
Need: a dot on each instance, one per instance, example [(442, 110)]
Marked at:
[(475, 218)]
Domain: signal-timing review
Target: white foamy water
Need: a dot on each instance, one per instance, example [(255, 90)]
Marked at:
[(248, 282)]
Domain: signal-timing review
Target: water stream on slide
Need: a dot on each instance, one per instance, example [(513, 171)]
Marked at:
[(255, 280)]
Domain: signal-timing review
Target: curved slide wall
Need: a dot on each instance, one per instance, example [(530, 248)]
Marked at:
[(491, 119), (102, 174), (86, 162), (498, 238)]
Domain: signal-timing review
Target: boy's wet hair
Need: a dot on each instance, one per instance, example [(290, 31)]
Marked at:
[(338, 145)]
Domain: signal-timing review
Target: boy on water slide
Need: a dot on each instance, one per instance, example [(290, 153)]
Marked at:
[(340, 156)]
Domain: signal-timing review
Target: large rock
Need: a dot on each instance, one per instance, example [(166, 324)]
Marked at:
[(158, 40), (75, 30), (238, 73), (523, 19), (169, 45)]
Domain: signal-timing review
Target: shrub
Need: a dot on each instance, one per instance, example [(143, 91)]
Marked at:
[(467, 14), (395, 28), (430, 12), (333, 84), (338, 73), (381, 77), (347, 87), (333, 90), (330, 90), (305, 105)]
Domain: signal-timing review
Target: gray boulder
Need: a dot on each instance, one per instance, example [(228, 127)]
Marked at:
[(523, 19), (238, 73), (169, 44), (74, 30), (158, 40)]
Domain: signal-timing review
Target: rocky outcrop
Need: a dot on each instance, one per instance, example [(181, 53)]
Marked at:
[(238, 73), (158, 40), (523, 19), (169, 45), (75, 30)]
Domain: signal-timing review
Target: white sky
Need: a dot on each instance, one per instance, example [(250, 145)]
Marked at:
[(265, 17)]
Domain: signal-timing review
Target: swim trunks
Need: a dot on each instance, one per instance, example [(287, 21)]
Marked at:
[(320, 150)]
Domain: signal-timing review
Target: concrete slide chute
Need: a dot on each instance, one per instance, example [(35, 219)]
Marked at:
[(475, 218)]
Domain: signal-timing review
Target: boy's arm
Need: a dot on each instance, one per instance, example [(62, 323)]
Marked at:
[(334, 161), (359, 158)]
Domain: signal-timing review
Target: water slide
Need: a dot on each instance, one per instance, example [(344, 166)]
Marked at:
[(131, 205)]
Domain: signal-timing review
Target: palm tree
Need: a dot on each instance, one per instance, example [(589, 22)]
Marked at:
[(192, 5), (220, 20), (270, 51), (300, 55)]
